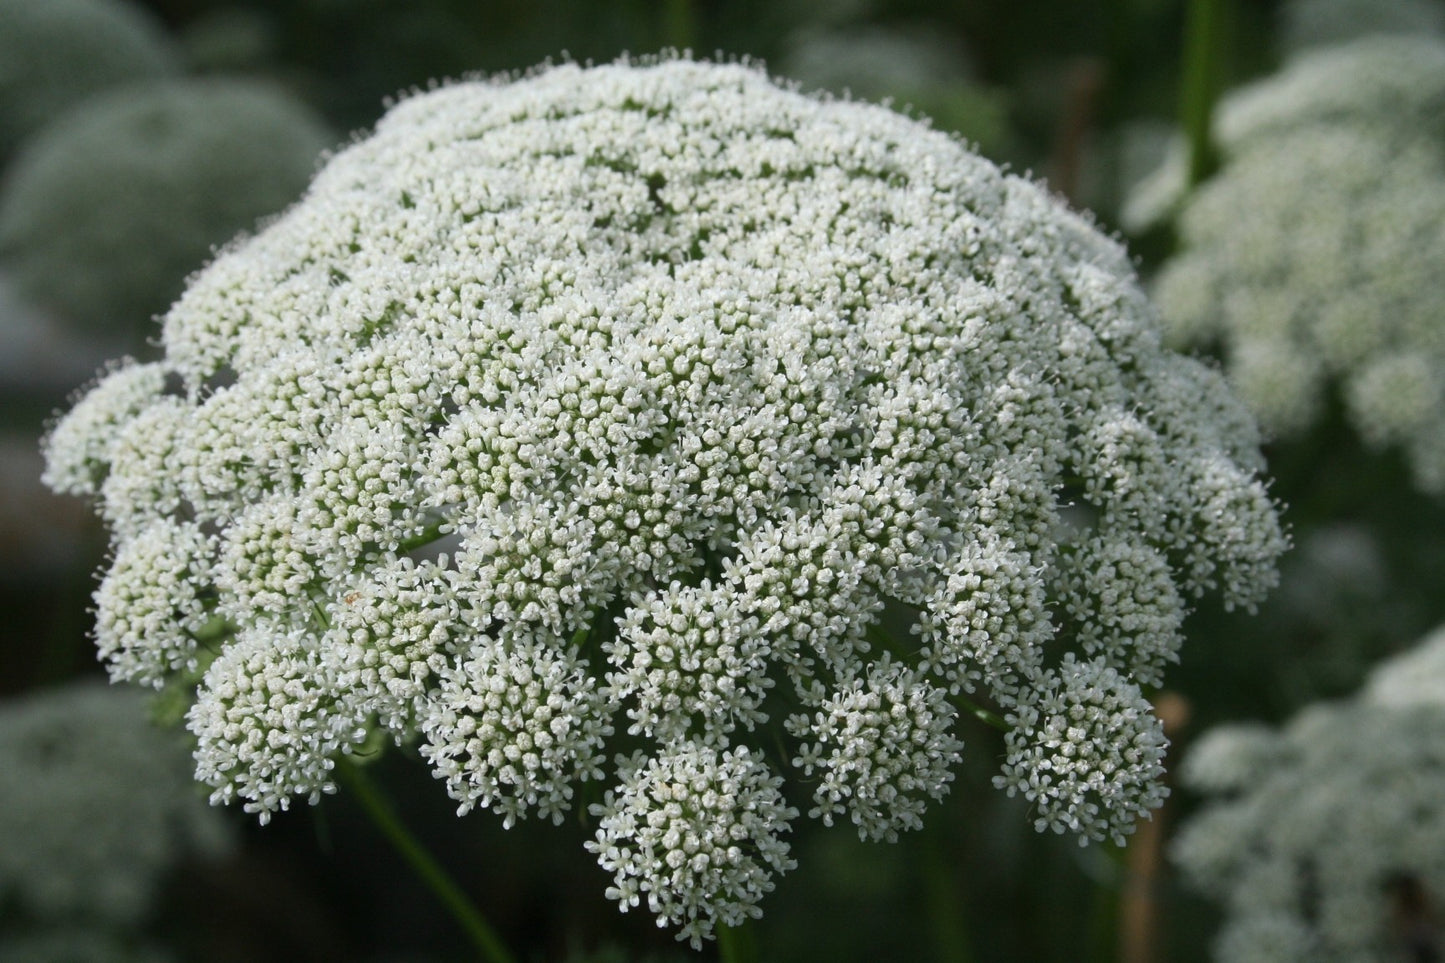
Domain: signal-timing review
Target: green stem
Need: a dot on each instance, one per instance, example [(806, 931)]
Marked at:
[(945, 907), (735, 944), (983, 715), (1203, 62), (431, 872), (428, 535), (215, 629), (679, 25)]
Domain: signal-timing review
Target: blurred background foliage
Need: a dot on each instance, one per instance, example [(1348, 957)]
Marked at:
[(137, 137)]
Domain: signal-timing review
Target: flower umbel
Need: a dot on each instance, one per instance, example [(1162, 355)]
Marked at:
[(138, 183), (95, 809), (1311, 258), (1311, 826), (642, 408)]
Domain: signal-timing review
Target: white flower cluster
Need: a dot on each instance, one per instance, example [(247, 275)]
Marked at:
[(1313, 256), (1316, 825), (1086, 750), (95, 807), (695, 828), (513, 727), (657, 402), (882, 741)]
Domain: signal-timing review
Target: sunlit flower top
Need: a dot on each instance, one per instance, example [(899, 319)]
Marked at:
[(653, 424), (1324, 838), (1313, 255), (95, 807)]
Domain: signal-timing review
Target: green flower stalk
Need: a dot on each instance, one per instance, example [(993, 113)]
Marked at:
[(615, 424)]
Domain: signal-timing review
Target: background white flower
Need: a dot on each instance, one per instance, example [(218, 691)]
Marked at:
[(1311, 828), (1415, 677), (1312, 256), (55, 54), (96, 806), (1319, 23), (105, 210)]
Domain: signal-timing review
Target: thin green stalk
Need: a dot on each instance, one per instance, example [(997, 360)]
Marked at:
[(882, 638), (735, 944), (679, 24), (946, 908), (983, 715), (425, 537), (489, 947), (1204, 37)]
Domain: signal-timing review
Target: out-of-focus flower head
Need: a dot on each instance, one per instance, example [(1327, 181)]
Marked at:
[(96, 806), (917, 66), (1313, 255), (1313, 828), (230, 39), (1393, 87), (656, 397), (107, 210), (1306, 24), (78, 944), (56, 53), (1416, 677)]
